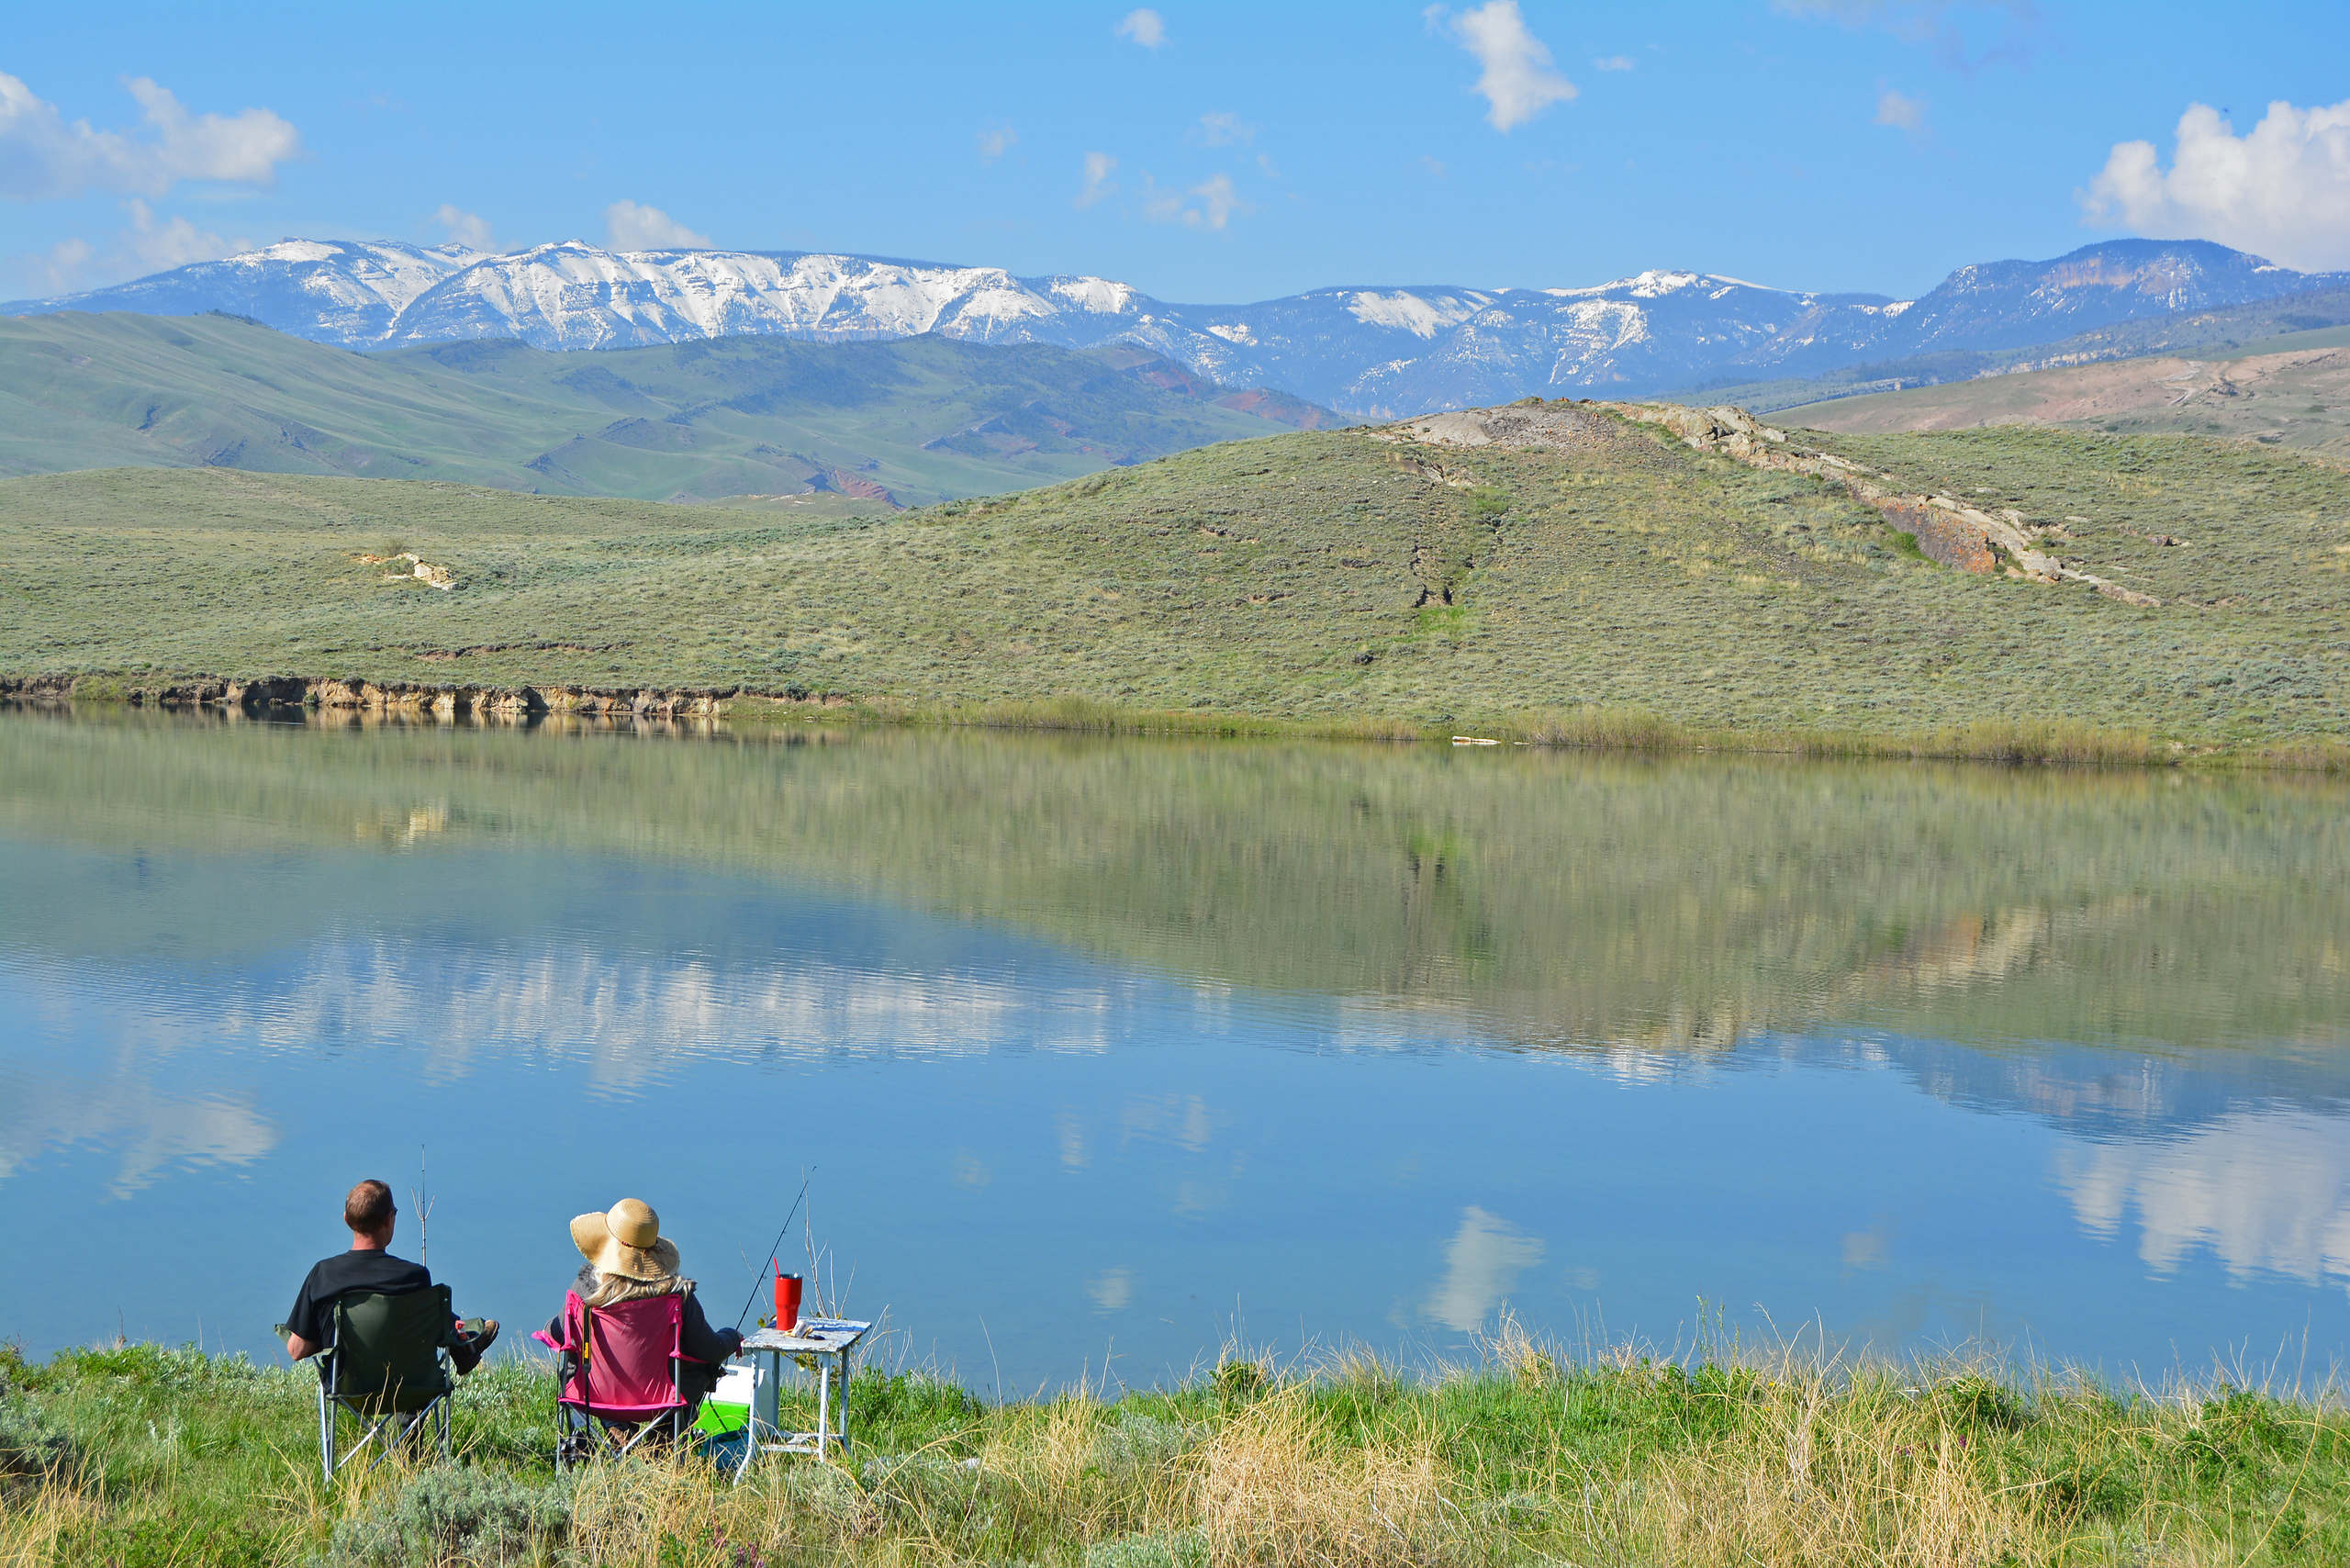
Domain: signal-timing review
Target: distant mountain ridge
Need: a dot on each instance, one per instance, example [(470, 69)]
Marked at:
[(901, 422), (1378, 351)]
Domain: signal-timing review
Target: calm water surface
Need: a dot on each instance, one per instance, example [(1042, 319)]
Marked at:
[(1108, 1051)]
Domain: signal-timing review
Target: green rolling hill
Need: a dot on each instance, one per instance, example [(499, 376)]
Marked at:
[(1332, 577), (834, 427)]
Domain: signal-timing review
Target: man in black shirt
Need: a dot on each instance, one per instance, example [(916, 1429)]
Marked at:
[(369, 1266)]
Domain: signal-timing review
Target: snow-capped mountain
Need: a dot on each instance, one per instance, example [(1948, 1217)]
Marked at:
[(331, 291), (2004, 305), (1379, 351)]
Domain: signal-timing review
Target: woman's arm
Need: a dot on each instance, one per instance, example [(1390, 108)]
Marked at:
[(702, 1342)]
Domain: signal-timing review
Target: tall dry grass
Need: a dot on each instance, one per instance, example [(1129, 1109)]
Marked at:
[(35, 1522), (1820, 1476), (1278, 1484)]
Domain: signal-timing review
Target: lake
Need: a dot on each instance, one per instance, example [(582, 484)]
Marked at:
[(1107, 1053)]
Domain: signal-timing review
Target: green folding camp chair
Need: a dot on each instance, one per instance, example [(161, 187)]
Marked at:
[(387, 1366)]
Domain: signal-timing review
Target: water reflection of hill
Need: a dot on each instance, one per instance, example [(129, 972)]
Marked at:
[(1560, 900), (2100, 1094)]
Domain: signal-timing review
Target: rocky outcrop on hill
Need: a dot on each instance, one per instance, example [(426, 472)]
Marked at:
[(1945, 529)]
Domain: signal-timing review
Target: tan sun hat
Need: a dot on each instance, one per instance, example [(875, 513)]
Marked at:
[(626, 1241)]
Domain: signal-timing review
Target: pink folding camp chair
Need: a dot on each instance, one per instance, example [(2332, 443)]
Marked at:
[(619, 1380)]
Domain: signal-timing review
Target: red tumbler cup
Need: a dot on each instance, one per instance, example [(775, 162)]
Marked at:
[(786, 1301)]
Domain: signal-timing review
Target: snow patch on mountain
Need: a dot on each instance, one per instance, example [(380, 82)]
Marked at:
[(1421, 316), (1096, 295)]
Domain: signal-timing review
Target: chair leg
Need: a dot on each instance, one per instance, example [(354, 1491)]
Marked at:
[(575, 1432), (441, 1406), (326, 1433), (382, 1424)]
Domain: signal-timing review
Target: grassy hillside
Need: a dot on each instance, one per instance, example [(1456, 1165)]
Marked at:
[(764, 417), (2291, 391), (1321, 575)]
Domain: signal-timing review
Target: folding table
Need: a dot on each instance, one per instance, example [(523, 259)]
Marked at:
[(830, 1344)]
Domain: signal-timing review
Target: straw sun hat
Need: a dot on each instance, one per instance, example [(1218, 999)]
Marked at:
[(626, 1241)]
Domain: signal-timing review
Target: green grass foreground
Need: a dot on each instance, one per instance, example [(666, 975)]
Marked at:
[(142, 1456)]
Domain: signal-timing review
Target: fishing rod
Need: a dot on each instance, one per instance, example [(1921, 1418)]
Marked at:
[(776, 1250)]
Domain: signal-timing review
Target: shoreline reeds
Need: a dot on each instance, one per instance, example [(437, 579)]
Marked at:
[(2023, 742)]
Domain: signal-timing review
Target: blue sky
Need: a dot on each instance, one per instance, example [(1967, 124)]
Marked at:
[(1235, 152)]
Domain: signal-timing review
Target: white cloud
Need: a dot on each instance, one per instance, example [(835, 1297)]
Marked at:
[(467, 229), (1211, 203), (634, 227), (147, 244), (1900, 110), (1613, 63), (1161, 205), (172, 243), (1433, 164), (1226, 130), (1099, 169), (1517, 79), (1218, 201), (2282, 191), (995, 141), (1144, 27), (44, 155), (65, 265)]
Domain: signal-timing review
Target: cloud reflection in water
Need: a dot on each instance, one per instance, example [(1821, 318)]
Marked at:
[(2266, 1190), (148, 1131), (1482, 1261)]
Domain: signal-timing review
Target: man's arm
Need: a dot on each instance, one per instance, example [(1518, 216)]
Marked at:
[(304, 1313)]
